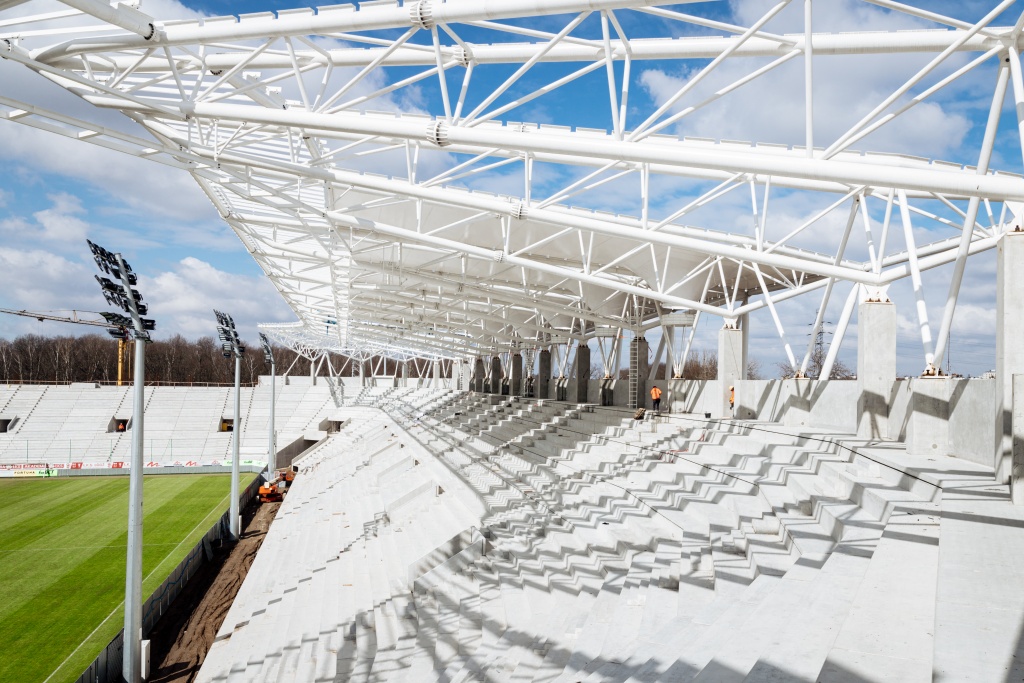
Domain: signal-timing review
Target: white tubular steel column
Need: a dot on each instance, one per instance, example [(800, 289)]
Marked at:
[(268, 356), (840, 332), (130, 301), (272, 458), (132, 667), (808, 77), (231, 347), (972, 214), (234, 524), (915, 278)]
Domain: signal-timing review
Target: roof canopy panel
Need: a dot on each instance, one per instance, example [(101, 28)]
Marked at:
[(375, 161)]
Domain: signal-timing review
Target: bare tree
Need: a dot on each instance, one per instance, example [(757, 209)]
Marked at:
[(815, 365), (701, 365)]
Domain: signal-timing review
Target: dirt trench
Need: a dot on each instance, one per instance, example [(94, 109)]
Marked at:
[(184, 635)]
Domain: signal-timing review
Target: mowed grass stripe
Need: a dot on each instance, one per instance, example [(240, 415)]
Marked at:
[(71, 575), (103, 517), (24, 503)]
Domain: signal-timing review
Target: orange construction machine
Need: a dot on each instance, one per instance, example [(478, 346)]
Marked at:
[(272, 491)]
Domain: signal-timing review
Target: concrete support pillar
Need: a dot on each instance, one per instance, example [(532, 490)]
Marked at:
[(580, 379), (543, 374), (362, 373), (731, 368), (928, 425), (1017, 467), (516, 375), (876, 367), (1009, 350), (638, 354), (496, 374), (796, 396), (744, 321), (437, 375), (405, 369), (478, 374)]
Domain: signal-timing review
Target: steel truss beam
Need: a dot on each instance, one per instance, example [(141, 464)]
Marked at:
[(414, 266)]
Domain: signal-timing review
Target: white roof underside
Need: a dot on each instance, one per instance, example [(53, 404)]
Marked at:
[(381, 229)]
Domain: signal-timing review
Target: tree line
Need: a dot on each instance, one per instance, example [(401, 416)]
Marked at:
[(94, 358)]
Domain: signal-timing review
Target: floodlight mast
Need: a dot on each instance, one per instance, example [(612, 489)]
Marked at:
[(232, 346), (130, 301), (268, 355)]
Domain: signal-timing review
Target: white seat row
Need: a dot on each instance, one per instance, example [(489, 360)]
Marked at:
[(458, 537)]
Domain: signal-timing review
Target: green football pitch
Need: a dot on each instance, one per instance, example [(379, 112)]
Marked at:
[(62, 561)]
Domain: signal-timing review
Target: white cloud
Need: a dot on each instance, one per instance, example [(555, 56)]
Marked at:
[(60, 222), (182, 300), (771, 108), (39, 280)]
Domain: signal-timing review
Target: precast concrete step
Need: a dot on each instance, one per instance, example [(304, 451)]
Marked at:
[(889, 632), (681, 655)]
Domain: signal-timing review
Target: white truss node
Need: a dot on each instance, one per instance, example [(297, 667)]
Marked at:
[(439, 227)]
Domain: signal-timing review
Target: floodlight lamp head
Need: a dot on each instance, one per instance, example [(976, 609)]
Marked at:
[(115, 319), (107, 285), (132, 278), (100, 255)]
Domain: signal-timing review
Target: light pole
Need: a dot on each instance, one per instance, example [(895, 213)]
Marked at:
[(130, 301), (231, 345), (268, 355)]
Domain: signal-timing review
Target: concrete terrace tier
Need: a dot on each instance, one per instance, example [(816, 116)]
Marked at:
[(77, 422), (452, 536)]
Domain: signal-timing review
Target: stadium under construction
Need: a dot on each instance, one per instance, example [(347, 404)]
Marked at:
[(486, 492)]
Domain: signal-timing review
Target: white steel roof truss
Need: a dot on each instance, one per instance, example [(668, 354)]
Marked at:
[(263, 115)]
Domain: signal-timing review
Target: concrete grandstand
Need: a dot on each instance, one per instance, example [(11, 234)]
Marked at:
[(78, 423), (451, 536), (515, 514)]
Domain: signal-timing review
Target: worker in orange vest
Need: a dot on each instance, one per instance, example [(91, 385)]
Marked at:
[(732, 400), (655, 399)]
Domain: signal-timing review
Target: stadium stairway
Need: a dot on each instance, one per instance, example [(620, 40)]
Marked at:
[(464, 537)]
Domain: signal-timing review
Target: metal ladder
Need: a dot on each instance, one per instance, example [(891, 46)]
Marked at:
[(634, 374)]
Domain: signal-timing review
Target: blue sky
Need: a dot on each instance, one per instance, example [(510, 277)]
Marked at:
[(57, 192)]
